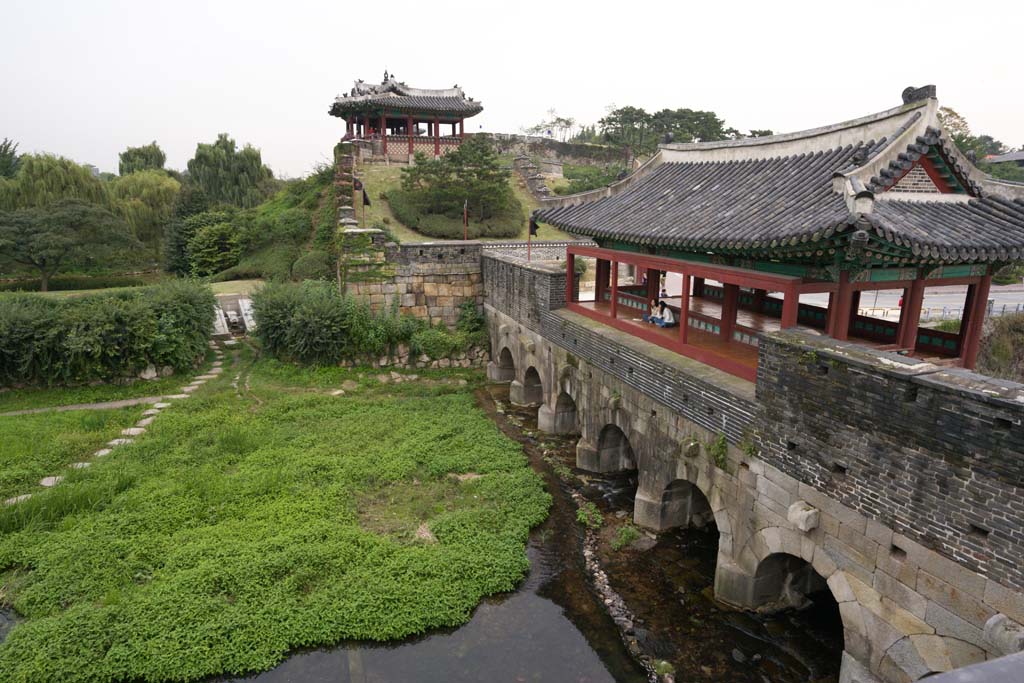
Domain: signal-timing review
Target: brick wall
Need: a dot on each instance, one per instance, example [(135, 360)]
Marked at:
[(937, 455), (917, 180)]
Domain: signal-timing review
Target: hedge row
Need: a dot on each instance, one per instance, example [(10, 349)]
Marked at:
[(312, 323), (508, 223), (103, 336)]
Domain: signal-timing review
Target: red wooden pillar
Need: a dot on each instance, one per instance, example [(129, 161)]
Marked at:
[(348, 125), (758, 302), (839, 310), (975, 321), (684, 310), (910, 314), (730, 301), (698, 287), (409, 125), (653, 280), (384, 133), (437, 137), (790, 307), (615, 289), (570, 273), (601, 281), (462, 129)]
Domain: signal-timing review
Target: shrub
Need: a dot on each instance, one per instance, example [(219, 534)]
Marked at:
[(589, 516), (103, 336), (311, 322), (214, 248), (624, 536), (313, 265)]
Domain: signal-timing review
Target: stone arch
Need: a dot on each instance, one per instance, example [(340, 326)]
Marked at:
[(503, 367), (613, 450), (533, 387), (920, 656), (562, 418), (785, 580)]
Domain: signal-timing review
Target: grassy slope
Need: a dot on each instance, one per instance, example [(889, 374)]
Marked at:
[(36, 446), (378, 178), (240, 527)]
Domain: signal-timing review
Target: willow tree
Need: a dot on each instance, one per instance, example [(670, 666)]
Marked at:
[(43, 179), (228, 174), (8, 158), (146, 199), (144, 158)]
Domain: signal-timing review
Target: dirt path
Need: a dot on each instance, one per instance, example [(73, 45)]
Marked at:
[(102, 405)]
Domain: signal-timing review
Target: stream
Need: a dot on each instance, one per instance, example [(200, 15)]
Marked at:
[(554, 627)]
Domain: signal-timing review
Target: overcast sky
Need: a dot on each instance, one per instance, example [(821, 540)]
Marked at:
[(85, 79)]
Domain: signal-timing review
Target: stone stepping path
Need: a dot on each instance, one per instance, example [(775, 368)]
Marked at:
[(159, 403)]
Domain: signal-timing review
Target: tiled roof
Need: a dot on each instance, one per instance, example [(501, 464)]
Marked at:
[(715, 205), (1009, 156), (803, 195), (393, 95)]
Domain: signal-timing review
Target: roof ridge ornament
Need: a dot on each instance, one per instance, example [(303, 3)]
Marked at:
[(912, 94)]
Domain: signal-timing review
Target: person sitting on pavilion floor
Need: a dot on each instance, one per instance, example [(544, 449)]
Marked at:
[(666, 317), (654, 315)]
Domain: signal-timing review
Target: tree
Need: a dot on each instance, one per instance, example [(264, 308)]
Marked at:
[(64, 233), (229, 175), (761, 132), (8, 158), (43, 179), (147, 157), (146, 199), (214, 248), (471, 174), (557, 126)]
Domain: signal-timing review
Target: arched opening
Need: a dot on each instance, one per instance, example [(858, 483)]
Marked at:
[(790, 592), (533, 390), (684, 505), (565, 414), (613, 450), (503, 367)]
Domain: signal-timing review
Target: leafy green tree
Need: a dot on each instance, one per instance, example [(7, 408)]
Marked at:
[(214, 248), (65, 233), (43, 179), (147, 200), (761, 132), (147, 157), (8, 158), (470, 175), (230, 175)]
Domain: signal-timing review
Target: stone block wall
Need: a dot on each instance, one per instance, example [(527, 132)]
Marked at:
[(429, 280), (935, 454)]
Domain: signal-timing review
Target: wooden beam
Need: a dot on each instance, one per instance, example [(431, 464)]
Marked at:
[(978, 309), (615, 289)]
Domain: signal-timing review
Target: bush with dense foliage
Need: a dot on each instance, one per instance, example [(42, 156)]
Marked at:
[(312, 323), (144, 158), (103, 336), (214, 248)]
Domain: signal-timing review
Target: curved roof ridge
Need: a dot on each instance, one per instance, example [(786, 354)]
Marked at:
[(810, 133)]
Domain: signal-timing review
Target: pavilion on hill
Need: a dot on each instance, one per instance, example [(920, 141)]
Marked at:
[(400, 121), (737, 231)]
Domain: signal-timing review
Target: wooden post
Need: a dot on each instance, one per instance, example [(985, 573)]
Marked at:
[(730, 301), (910, 314), (437, 137), (570, 273), (841, 314), (653, 280), (684, 310), (615, 289), (409, 125), (758, 303), (975, 321), (384, 133), (698, 287), (790, 307), (462, 129), (601, 284)]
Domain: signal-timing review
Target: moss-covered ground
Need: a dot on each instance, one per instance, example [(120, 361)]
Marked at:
[(247, 522)]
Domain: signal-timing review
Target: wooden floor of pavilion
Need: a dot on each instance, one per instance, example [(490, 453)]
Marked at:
[(739, 352)]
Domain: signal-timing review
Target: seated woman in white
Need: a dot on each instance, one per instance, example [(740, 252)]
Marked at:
[(667, 316)]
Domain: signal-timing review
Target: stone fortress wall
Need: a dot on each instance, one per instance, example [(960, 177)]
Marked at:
[(894, 483)]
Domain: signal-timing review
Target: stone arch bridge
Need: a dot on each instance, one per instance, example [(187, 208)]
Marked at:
[(895, 484)]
